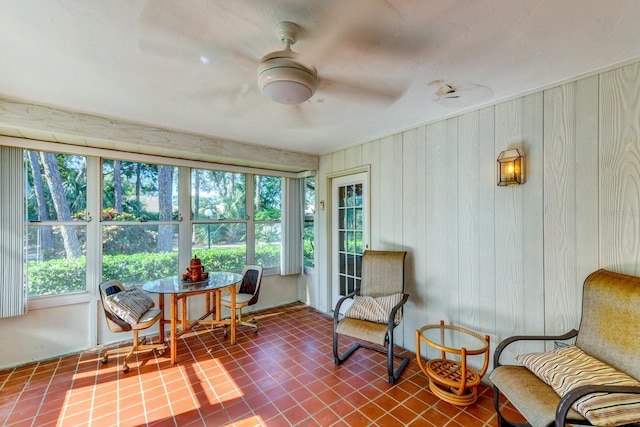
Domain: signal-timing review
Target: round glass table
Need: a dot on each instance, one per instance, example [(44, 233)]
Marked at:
[(180, 290), (451, 378)]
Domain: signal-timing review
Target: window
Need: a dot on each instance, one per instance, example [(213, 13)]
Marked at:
[(56, 245), (124, 220), (219, 230), (309, 221), (267, 211), (139, 221)]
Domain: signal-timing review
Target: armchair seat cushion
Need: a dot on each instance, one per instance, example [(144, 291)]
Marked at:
[(375, 309), (363, 329), (522, 385), (566, 368)]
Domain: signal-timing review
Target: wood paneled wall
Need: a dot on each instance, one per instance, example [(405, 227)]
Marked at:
[(505, 261)]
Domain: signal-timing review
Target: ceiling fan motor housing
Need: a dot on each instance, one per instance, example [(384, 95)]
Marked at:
[(285, 80)]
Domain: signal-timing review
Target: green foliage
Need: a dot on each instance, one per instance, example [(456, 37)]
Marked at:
[(308, 254), (119, 239), (57, 277), (141, 267), (268, 256)]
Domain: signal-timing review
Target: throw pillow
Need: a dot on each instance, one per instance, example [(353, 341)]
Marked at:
[(129, 305), (375, 309), (569, 367)]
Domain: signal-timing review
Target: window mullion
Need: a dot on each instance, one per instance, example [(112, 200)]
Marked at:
[(94, 229), (251, 223), (185, 226)]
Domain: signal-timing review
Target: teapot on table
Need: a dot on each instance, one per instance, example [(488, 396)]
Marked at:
[(195, 271)]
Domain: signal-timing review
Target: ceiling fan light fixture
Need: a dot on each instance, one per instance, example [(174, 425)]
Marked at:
[(286, 81)]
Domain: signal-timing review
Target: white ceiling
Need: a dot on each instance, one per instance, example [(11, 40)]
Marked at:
[(381, 63)]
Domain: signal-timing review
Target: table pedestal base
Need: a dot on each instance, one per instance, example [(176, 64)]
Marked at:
[(449, 395), (445, 379)]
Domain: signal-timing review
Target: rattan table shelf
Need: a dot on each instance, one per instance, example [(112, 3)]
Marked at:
[(453, 380)]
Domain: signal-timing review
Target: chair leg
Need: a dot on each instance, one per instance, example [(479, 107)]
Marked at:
[(253, 323), (393, 374), (502, 421), (137, 345)]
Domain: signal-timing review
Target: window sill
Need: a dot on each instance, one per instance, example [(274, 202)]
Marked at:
[(37, 303)]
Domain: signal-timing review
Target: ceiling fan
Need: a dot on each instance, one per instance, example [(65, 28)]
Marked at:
[(282, 77)]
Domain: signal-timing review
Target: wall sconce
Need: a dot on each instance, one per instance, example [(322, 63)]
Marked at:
[(510, 167)]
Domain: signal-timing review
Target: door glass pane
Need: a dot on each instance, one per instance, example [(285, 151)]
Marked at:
[(358, 214), (358, 242), (350, 235)]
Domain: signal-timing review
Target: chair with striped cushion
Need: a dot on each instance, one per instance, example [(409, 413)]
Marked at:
[(595, 381), (376, 309), (129, 309)]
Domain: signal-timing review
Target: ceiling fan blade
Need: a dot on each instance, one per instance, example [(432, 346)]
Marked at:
[(344, 21), (169, 29), (461, 94), (384, 93)]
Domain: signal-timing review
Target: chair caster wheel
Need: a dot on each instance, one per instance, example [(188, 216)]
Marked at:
[(104, 360), (125, 368), (255, 331), (225, 335), (161, 352)]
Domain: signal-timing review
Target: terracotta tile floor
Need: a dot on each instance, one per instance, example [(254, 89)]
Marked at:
[(282, 376)]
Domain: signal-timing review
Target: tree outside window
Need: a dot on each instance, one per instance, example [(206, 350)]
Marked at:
[(219, 230), (56, 196), (267, 211), (139, 221)]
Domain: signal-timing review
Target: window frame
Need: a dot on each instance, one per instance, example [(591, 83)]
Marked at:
[(94, 206)]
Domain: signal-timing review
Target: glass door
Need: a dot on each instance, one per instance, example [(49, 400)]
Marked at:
[(349, 233)]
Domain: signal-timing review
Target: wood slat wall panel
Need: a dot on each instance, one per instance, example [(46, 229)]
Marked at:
[(371, 156), (620, 169), (486, 226), (587, 197), (437, 234), (413, 196), (451, 249), (532, 250), (510, 297), (507, 261)]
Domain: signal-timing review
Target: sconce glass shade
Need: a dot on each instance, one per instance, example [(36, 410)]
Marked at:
[(510, 168)]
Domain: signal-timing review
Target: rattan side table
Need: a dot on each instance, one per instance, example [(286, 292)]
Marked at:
[(453, 380)]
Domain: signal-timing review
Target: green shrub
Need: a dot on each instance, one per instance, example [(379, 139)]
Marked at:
[(62, 276)]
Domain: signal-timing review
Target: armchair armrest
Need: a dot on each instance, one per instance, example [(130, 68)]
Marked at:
[(336, 310), (570, 398), (506, 342)]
